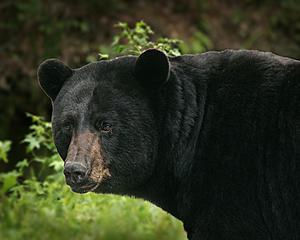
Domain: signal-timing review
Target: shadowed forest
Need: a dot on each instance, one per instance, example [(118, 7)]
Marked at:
[(34, 200)]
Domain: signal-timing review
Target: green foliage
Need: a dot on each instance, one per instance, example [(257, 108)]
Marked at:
[(137, 39), (4, 149), (42, 157), (40, 133), (35, 201), (8, 179)]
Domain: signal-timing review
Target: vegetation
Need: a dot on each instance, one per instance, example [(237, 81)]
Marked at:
[(133, 41)]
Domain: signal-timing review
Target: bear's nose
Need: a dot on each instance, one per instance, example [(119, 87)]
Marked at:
[(75, 173)]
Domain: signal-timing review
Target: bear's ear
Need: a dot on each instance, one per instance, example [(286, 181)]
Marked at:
[(52, 74), (152, 68)]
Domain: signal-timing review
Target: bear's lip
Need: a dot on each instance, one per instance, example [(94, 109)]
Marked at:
[(86, 188)]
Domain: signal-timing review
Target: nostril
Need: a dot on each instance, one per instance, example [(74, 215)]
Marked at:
[(75, 173), (79, 174)]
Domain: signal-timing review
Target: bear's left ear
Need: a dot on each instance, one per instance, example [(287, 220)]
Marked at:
[(52, 74), (152, 68)]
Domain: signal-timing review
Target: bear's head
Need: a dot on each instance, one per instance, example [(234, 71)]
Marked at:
[(103, 119)]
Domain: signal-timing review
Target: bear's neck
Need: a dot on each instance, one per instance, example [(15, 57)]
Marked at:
[(180, 115)]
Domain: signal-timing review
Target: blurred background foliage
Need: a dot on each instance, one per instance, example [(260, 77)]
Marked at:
[(79, 32)]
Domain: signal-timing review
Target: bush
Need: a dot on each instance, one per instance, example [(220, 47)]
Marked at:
[(135, 40)]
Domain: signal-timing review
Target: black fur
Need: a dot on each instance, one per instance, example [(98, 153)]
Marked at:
[(218, 146), (52, 75)]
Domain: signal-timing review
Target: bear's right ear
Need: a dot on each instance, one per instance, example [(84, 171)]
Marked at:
[(52, 74), (152, 68)]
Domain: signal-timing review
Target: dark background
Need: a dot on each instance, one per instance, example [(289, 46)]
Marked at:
[(75, 31)]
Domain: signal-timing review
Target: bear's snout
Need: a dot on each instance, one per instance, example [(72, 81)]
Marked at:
[(85, 167)]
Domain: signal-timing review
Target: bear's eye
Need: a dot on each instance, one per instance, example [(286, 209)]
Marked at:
[(67, 125), (104, 127)]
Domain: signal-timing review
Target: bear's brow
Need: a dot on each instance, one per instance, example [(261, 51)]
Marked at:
[(80, 92), (67, 115)]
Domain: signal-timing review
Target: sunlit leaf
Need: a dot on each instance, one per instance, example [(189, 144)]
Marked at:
[(8, 180), (4, 149), (22, 164)]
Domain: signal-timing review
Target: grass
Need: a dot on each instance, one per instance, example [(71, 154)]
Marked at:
[(61, 214)]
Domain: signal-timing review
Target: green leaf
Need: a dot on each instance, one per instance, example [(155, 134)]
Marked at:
[(57, 165), (22, 164), (8, 180), (4, 149), (32, 142), (102, 56)]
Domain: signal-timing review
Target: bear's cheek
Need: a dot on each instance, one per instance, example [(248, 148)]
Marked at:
[(99, 169)]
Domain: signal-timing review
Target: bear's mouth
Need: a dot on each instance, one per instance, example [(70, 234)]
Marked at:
[(86, 188)]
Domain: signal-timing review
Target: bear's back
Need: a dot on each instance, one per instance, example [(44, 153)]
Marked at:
[(247, 164)]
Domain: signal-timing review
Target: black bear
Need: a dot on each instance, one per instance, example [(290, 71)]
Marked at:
[(214, 138)]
